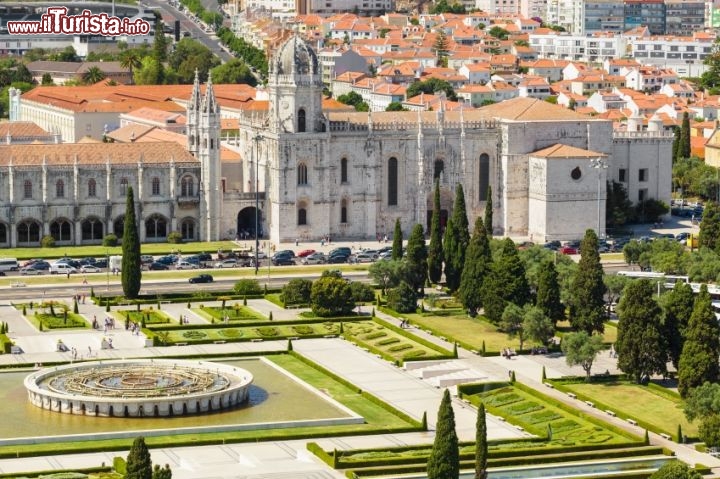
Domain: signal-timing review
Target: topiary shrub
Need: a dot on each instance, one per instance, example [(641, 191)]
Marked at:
[(110, 240), (402, 299), (247, 287), (175, 237), (297, 291), (47, 242)]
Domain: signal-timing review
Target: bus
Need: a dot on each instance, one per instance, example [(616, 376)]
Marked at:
[(667, 278)]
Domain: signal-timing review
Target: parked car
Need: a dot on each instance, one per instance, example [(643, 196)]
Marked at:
[(62, 268), (158, 266), (552, 245), (315, 258), (227, 263), (85, 261), (568, 250), (385, 255), (168, 259), (338, 258), (285, 252), (185, 265), (146, 259), (283, 260), (342, 249), (89, 268), (29, 270), (68, 261), (201, 278), (101, 263), (305, 252), (362, 257), (41, 265)]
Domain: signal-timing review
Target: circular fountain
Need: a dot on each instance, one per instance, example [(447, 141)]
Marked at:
[(139, 388)]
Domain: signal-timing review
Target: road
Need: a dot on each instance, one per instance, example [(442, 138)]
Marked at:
[(195, 29)]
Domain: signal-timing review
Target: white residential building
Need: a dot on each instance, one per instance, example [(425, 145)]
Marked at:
[(578, 47), (685, 55)]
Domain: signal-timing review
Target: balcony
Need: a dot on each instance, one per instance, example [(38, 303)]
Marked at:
[(188, 201)]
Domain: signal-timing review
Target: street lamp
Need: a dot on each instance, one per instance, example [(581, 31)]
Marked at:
[(599, 164), (257, 138)]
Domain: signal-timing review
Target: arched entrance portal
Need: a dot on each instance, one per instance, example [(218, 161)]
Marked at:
[(246, 223)]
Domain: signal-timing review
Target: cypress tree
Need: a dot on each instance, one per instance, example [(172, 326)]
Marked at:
[(477, 266), (397, 252), (710, 226), (677, 306), (481, 446), (506, 282), (548, 292), (139, 464), (417, 259), (684, 143), (679, 434), (676, 143), (489, 213), (641, 345), (435, 252), (444, 459), (587, 300), (162, 473), (455, 251), (699, 358), (75, 307), (131, 269)]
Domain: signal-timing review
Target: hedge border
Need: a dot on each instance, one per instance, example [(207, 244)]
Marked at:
[(84, 470), (560, 385)]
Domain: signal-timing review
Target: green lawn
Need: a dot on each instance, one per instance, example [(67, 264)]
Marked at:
[(150, 316), (58, 321), (248, 332), (234, 312), (535, 414), (638, 402), (388, 342)]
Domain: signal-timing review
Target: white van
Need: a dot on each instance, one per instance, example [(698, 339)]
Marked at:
[(62, 268), (9, 264)]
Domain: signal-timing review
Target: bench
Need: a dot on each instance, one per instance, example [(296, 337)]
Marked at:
[(610, 413), (572, 395), (666, 436), (631, 421), (256, 340), (219, 342), (17, 284), (590, 403)]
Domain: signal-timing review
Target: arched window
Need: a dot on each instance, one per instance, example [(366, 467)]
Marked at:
[(343, 170), (392, 183), (92, 229), (123, 186), (155, 227), (28, 233), (92, 188), (155, 186), (343, 212), (119, 226), (301, 120), (27, 189), (302, 175), (483, 176), (438, 170), (302, 216), (187, 229), (61, 230), (3, 233), (60, 189), (187, 186)]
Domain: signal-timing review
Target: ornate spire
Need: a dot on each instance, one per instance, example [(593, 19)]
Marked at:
[(194, 104), (209, 105)]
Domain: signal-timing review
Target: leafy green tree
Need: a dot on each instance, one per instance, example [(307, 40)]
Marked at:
[(416, 260), (587, 305), (361, 292), (151, 72), (247, 287), (430, 87), (131, 60), (683, 149), (481, 444), (435, 251), (700, 353), (444, 459), (702, 401), (677, 307), (489, 213), (499, 33), (297, 291), (131, 273), (506, 282), (641, 346), (477, 265), (397, 245), (709, 430), (675, 470), (160, 43), (47, 80), (93, 75), (537, 325), (395, 106), (139, 463), (233, 72), (547, 296), (331, 296), (618, 207), (387, 273), (441, 48), (191, 55), (511, 322), (67, 54), (355, 100), (633, 250), (581, 349), (457, 236), (162, 472), (614, 285), (651, 210), (402, 299), (710, 227)]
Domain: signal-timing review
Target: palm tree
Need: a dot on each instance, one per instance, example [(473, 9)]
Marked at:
[(130, 60), (93, 75)]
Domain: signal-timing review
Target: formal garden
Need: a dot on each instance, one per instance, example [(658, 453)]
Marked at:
[(48, 315)]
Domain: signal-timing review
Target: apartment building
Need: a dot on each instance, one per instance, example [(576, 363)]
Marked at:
[(647, 13), (685, 55), (565, 46), (684, 16)]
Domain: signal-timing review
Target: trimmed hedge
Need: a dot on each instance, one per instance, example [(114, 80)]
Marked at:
[(87, 470), (5, 344), (417, 339), (177, 298)]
